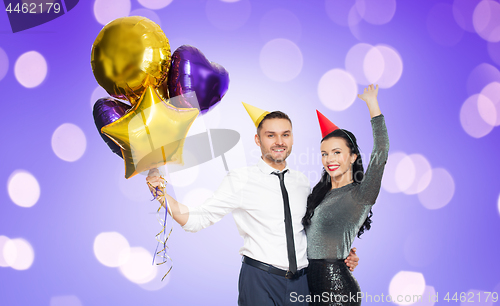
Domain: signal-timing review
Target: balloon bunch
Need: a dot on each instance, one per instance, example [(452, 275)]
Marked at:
[(131, 60)]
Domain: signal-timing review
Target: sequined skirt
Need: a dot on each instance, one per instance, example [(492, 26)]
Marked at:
[(331, 283)]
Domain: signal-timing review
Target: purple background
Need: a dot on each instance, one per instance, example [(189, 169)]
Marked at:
[(458, 246)]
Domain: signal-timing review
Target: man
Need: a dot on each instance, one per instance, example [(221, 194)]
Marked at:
[(274, 252)]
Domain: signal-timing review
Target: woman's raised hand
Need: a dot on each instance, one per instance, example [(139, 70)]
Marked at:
[(369, 95)]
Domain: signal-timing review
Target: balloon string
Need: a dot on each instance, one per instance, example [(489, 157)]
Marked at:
[(162, 237)]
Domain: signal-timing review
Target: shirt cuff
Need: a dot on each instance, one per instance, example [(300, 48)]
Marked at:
[(189, 226)]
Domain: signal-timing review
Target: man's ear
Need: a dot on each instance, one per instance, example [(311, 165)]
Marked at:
[(257, 140)]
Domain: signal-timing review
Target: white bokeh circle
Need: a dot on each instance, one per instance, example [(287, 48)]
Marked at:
[(486, 20), (69, 142), (376, 12), (405, 173), (65, 300), (354, 62), (406, 284), (138, 268), (154, 4), (3, 241), (473, 113), (492, 92), (338, 11), (97, 94), (109, 10), (4, 63), (463, 11), (389, 181), (18, 254), (482, 75), (111, 249), (421, 178), (383, 66), (151, 15), (441, 25), (429, 297), (337, 89), (440, 190), (23, 188), (30, 69), (228, 15), (281, 60)]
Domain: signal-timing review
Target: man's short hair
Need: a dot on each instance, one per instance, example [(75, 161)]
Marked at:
[(273, 115)]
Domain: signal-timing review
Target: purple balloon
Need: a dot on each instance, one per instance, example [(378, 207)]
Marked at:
[(106, 111), (191, 71)]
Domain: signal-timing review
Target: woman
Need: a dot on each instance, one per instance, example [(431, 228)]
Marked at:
[(339, 207)]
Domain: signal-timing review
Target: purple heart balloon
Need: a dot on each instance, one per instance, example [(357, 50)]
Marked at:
[(106, 111), (192, 72)]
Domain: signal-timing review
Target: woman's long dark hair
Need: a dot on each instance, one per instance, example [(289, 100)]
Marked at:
[(324, 185)]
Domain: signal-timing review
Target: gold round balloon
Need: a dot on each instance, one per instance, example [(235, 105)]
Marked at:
[(128, 55)]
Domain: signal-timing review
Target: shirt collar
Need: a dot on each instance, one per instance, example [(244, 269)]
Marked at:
[(265, 168)]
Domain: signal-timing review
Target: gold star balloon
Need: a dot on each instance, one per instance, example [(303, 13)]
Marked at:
[(152, 133), (128, 55)]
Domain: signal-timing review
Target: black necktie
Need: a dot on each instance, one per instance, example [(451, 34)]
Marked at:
[(290, 245)]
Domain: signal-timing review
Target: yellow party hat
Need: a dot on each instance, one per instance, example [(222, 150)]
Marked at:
[(255, 113)]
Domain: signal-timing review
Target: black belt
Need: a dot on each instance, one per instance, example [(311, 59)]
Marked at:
[(268, 268)]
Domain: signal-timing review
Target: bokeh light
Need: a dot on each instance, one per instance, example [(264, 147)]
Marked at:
[(3, 241), (281, 60), (405, 173), (486, 20), (428, 298), (30, 69), (280, 23), (482, 75), (498, 206), (376, 12), (338, 11), (228, 15), (407, 284), (157, 283), (494, 52), (23, 188), (4, 63), (69, 142), (440, 190), (420, 181), (138, 268), (354, 62), (472, 114), (65, 300), (383, 66), (98, 93), (337, 89), (389, 180), (111, 249), (492, 92), (462, 12), (19, 254), (154, 4), (108, 10), (441, 25), (151, 15)]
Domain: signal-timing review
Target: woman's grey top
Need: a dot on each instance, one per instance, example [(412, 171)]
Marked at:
[(338, 218)]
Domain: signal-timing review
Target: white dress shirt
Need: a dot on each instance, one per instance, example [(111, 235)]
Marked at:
[(253, 195)]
